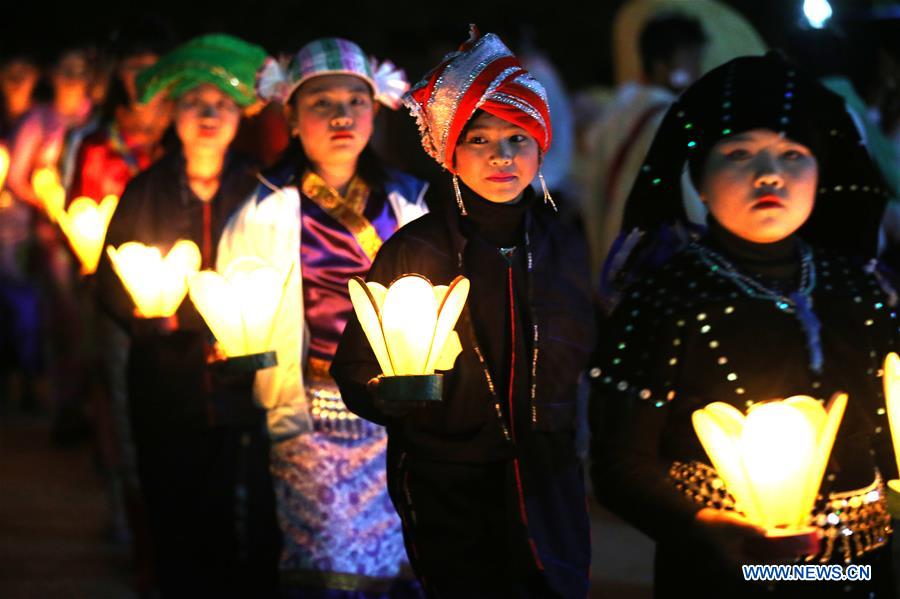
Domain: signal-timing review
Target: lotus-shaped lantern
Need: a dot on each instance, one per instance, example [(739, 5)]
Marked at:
[(84, 225), (891, 381), (49, 190), (410, 328), (239, 307), (156, 284), (773, 459)]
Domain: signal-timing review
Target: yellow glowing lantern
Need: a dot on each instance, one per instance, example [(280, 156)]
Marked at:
[(892, 401), (410, 328), (48, 189), (773, 459), (156, 284), (85, 224), (4, 165), (240, 305)]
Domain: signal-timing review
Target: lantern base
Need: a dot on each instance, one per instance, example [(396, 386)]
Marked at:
[(785, 544), (247, 363), (892, 491), (150, 327), (411, 387)]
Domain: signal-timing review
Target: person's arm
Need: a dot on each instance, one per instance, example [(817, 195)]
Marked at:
[(23, 156)]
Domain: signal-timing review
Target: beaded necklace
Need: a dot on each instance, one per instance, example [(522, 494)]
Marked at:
[(799, 302)]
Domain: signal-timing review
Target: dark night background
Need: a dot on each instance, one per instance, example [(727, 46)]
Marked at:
[(411, 34)]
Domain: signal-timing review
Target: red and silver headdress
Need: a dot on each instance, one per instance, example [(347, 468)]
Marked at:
[(482, 74)]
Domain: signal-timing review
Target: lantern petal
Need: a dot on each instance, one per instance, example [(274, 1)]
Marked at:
[(723, 448), (891, 382), (182, 260), (447, 356), (377, 292), (367, 311), (4, 165), (408, 319), (448, 313), (827, 433), (779, 445), (258, 288), (85, 228), (215, 301)]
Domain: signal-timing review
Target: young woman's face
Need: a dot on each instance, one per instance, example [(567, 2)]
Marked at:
[(333, 117), (759, 185), (497, 159), (206, 119)]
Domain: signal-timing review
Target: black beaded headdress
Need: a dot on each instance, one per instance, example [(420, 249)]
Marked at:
[(764, 92)]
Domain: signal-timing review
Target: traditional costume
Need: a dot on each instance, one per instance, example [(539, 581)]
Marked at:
[(704, 315), (487, 481), (341, 535)]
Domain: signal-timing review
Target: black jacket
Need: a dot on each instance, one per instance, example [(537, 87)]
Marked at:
[(168, 377), (560, 308), (439, 456)]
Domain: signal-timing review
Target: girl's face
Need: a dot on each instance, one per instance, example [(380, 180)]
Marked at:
[(206, 119), (333, 117), (759, 185), (496, 159)]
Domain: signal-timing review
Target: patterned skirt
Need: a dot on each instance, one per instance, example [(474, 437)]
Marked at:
[(340, 529)]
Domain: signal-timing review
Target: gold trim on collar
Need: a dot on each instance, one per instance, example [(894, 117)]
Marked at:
[(346, 210)]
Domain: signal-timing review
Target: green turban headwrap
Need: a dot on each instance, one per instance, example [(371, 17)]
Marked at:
[(223, 60)]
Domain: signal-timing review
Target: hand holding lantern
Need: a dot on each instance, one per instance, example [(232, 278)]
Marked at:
[(156, 284), (239, 307), (773, 459), (410, 328)]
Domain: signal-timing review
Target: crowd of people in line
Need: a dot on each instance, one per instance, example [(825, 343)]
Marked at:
[(721, 227)]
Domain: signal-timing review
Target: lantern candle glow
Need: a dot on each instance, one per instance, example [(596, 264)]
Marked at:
[(772, 460), (410, 326), (240, 306), (84, 225), (891, 381), (156, 284)]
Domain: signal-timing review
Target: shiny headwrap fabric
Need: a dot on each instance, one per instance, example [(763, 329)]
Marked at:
[(764, 92), (483, 74), (331, 56), (223, 60)]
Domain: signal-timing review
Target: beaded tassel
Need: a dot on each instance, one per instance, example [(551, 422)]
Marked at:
[(548, 199), (459, 200)]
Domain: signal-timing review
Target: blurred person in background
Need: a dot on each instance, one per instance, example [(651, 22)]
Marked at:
[(201, 444)]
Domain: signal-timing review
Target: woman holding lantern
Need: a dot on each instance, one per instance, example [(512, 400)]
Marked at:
[(768, 297), (201, 445), (321, 214), (486, 480)]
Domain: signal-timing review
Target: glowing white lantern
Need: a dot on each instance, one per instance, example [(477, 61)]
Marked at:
[(773, 459), (156, 284), (48, 189), (84, 225), (240, 305), (410, 325), (891, 381)]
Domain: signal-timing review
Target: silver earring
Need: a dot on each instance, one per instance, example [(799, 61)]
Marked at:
[(459, 201), (548, 199)]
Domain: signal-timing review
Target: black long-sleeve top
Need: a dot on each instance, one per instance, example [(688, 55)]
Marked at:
[(685, 336), (158, 208)]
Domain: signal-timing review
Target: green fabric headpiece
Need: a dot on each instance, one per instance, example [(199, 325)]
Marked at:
[(225, 61)]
